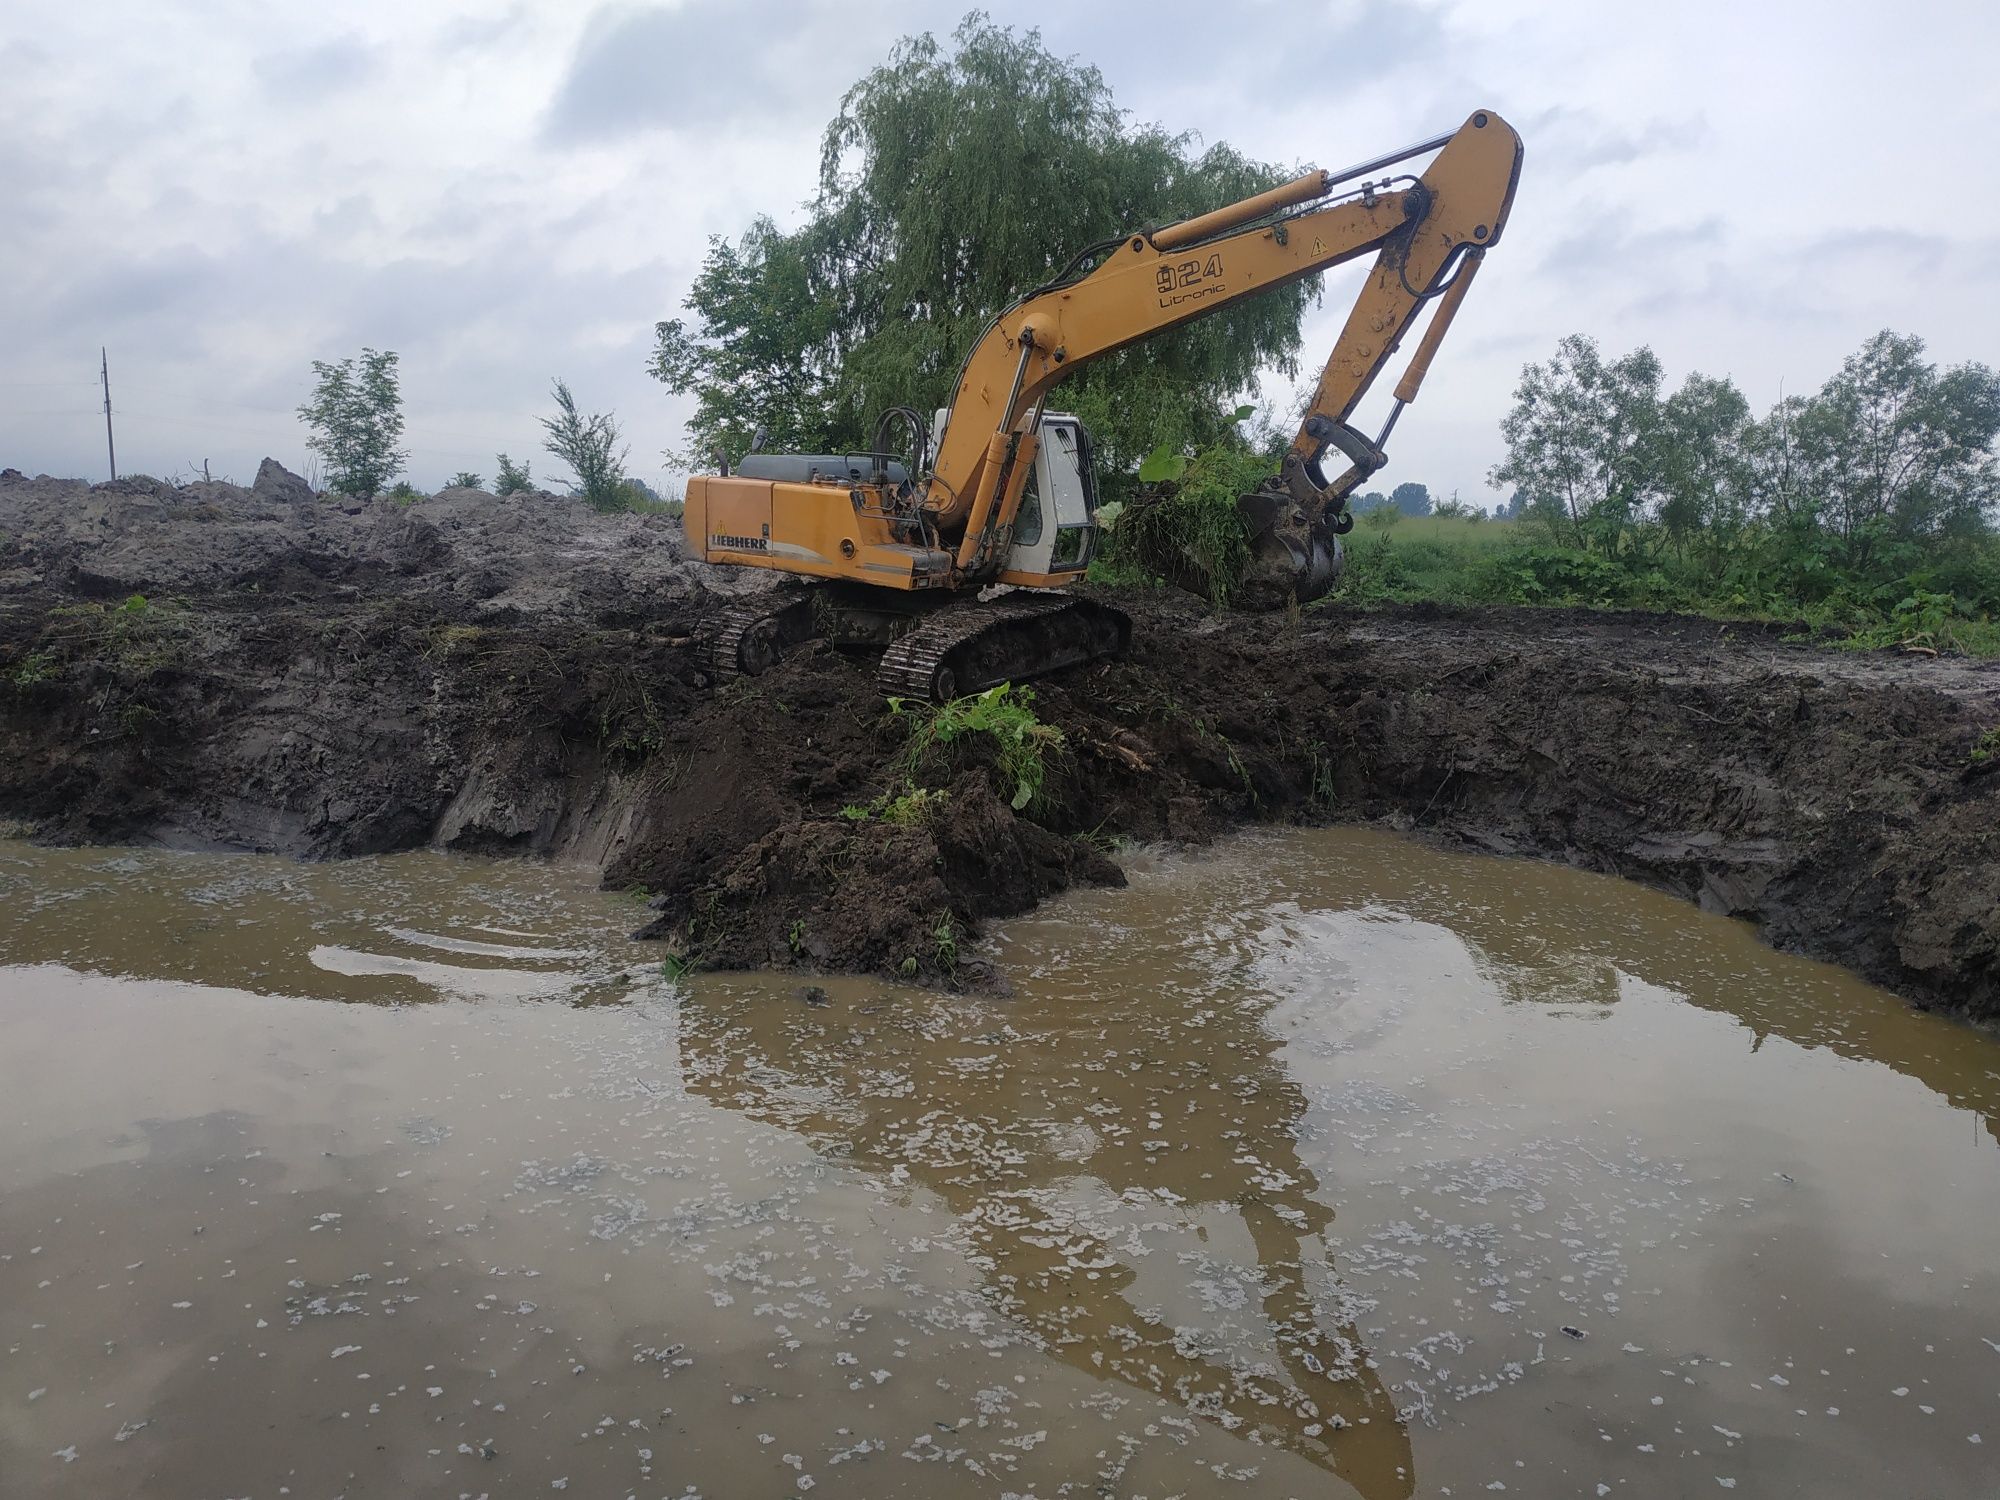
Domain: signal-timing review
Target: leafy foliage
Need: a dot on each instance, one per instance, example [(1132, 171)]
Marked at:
[(955, 178), (1866, 508), (910, 807), (514, 478), (356, 419), (1189, 530), (1023, 744), (464, 479), (589, 445)]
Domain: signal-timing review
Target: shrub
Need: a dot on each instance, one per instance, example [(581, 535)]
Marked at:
[(1189, 529), (356, 418), (464, 479), (514, 478), (589, 445)]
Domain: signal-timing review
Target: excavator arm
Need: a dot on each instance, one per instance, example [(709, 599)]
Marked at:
[(1428, 234)]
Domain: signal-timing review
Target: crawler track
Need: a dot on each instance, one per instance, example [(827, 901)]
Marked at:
[(970, 648), (749, 638)]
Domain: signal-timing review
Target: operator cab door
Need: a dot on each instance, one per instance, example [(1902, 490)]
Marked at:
[(1053, 531)]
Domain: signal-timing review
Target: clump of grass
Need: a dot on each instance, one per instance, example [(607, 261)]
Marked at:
[(137, 635), (1006, 714), (1986, 749), (907, 809), (944, 943), (34, 669)]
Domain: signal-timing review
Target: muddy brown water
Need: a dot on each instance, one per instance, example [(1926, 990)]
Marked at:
[(1320, 1163)]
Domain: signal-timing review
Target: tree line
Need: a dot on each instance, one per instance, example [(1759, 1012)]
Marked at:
[(354, 419), (1882, 481)]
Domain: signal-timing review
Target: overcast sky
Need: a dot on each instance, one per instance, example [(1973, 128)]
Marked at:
[(222, 191)]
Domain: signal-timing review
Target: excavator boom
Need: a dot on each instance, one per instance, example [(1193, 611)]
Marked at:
[(1420, 229)]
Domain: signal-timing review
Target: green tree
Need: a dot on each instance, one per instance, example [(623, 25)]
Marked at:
[(464, 479), (589, 445), (1897, 447), (356, 419), (1584, 435), (514, 478), (1411, 498), (1703, 477), (955, 178)]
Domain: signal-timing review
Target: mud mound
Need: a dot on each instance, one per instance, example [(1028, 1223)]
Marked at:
[(470, 551)]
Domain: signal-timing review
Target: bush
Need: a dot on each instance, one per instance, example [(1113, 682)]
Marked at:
[(1023, 743), (589, 445), (514, 478), (356, 418), (464, 479)]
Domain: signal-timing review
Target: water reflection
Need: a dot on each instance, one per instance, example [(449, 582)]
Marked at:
[(1554, 937), (1136, 1204), (335, 931)]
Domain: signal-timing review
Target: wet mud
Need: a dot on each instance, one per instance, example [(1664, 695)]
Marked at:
[(320, 684)]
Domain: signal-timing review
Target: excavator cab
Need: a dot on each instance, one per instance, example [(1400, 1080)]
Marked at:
[(1055, 528)]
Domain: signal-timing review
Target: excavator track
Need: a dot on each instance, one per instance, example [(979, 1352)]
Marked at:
[(748, 639), (969, 648)]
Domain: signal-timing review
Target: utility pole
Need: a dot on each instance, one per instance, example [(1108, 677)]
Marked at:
[(104, 366)]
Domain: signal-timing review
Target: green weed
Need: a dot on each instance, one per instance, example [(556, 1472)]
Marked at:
[(1928, 622), (32, 670), (913, 807), (1006, 714), (1322, 793), (944, 942)]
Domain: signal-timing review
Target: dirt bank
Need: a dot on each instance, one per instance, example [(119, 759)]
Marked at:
[(518, 677)]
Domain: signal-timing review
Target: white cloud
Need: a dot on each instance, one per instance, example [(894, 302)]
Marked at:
[(221, 195)]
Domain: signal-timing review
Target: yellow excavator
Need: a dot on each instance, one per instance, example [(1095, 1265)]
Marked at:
[(999, 490)]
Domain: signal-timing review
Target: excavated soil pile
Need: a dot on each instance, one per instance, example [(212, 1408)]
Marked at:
[(519, 677)]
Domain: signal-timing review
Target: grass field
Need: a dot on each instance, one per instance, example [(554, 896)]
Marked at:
[(1446, 559)]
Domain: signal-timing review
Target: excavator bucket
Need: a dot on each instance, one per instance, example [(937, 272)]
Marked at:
[(1295, 554)]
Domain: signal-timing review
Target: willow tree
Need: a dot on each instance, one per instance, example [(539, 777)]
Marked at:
[(953, 180)]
